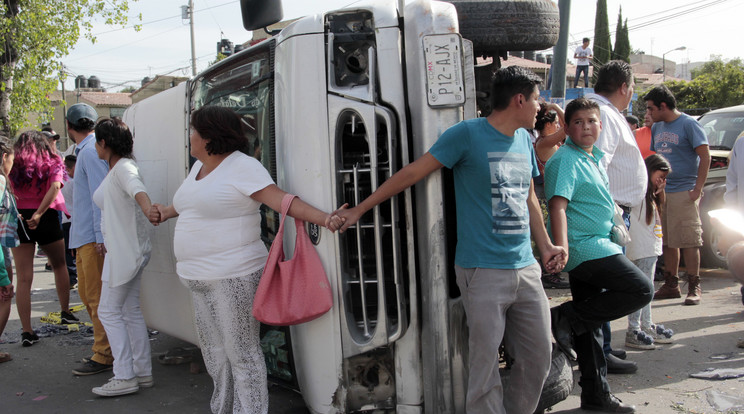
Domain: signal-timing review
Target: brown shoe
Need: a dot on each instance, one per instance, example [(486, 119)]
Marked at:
[(670, 288), (694, 292)]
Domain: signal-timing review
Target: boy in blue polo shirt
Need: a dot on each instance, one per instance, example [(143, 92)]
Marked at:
[(605, 285)]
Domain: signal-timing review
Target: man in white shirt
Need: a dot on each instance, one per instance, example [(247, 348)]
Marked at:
[(583, 55), (623, 161)]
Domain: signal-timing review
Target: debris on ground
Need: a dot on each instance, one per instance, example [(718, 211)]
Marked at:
[(722, 402), (719, 374), (722, 357)]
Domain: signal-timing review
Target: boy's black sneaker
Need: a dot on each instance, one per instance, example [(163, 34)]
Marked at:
[(92, 367), (29, 338), (68, 318)]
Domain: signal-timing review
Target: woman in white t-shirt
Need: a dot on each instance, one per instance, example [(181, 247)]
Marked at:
[(220, 255), (643, 250), (124, 204)]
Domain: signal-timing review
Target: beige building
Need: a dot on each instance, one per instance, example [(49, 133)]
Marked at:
[(106, 104), (156, 85)]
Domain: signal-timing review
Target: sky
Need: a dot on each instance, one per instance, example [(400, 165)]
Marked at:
[(122, 57)]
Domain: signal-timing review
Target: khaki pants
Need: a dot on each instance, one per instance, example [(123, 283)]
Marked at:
[(89, 267)]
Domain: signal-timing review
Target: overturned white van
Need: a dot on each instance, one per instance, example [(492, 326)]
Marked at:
[(334, 105)]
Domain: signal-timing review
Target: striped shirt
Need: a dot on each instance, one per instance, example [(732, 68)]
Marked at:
[(622, 159)]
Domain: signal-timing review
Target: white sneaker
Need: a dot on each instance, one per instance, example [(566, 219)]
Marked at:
[(660, 334), (116, 386), (639, 340), (145, 381)]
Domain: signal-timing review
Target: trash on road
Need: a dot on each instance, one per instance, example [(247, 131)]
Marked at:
[(719, 374), (724, 402)]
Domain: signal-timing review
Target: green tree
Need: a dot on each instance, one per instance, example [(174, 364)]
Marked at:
[(716, 84), (622, 40), (36, 34), (602, 44)]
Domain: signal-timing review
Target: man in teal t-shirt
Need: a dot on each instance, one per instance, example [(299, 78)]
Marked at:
[(493, 165)]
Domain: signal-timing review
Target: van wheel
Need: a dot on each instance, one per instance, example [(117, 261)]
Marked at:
[(560, 381), (558, 385), (500, 26)]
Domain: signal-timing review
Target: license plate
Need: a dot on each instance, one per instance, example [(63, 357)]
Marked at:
[(445, 82)]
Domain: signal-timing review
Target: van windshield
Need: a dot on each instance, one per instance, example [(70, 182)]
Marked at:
[(245, 83)]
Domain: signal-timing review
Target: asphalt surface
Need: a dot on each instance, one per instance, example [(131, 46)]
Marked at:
[(39, 378)]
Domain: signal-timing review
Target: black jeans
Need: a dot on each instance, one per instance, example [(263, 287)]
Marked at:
[(603, 290), (579, 69)]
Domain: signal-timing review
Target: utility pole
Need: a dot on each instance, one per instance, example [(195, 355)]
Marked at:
[(62, 77), (560, 50), (193, 47)]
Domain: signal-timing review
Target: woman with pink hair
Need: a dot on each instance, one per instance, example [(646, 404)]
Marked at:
[(36, 178)]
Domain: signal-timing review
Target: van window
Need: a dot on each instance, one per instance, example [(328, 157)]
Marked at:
[(247, 86)]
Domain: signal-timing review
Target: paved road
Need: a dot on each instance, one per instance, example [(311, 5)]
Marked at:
[(38, 380), (662, 384)]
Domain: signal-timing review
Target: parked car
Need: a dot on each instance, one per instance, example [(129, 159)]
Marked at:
[(723, 127)]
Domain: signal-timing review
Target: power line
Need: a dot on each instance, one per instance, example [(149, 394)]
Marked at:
[(178, 16)]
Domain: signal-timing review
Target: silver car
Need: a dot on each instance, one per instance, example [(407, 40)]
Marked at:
[(723, 127)]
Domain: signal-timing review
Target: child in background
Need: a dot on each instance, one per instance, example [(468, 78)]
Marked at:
[(7, 206), (644, 248)]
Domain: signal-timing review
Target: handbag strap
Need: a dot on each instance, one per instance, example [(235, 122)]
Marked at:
[(299, 224), (286, 202)]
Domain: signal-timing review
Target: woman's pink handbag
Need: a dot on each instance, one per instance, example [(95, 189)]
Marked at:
[(293, 291)]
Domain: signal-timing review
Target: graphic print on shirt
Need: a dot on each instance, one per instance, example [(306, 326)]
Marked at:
[(664, 141), (510, 183)]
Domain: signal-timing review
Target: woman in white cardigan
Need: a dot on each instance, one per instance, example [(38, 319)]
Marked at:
[(124, 204)]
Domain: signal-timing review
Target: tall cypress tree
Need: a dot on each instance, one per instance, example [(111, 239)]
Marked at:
[(602, 44), (618, 35), (623, 52)]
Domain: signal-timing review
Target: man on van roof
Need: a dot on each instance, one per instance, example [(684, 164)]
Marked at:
[(85, 233), (494, 163)]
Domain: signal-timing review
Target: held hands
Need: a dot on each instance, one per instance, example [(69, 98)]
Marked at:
[(155, 215), (333, 221), (349, 216), (554, 259)]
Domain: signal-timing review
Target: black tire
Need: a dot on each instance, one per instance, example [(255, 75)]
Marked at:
[(558, 385), (560, 381), (499, 26)]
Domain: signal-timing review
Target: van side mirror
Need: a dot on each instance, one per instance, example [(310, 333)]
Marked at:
[(260, 13)]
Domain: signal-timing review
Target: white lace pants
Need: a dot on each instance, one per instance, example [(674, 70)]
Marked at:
[(229, 341), (121, 316)]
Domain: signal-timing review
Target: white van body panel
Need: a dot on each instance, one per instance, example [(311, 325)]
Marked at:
[(166, 302), (303, 158), (417, 344)]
